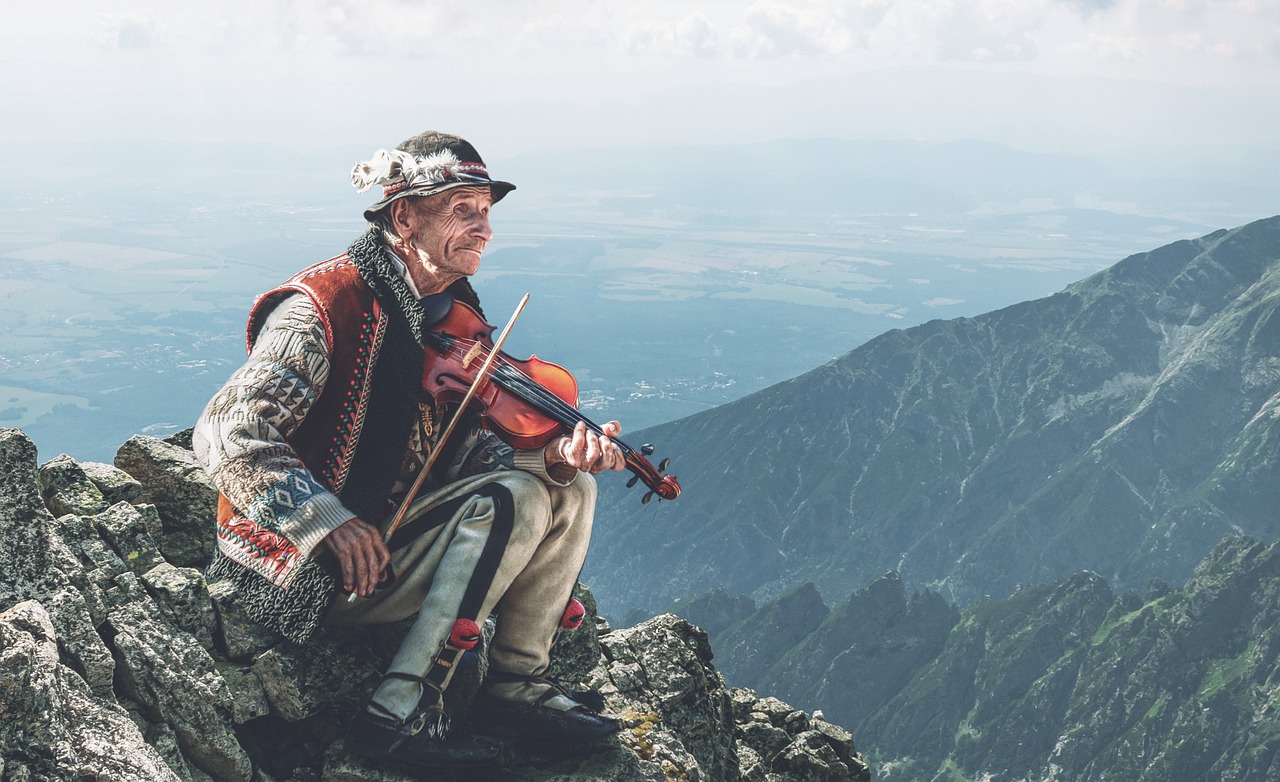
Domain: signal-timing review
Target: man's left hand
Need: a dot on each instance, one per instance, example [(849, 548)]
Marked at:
[(588, 451)]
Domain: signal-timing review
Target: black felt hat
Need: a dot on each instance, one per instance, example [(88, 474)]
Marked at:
[(426, 164)]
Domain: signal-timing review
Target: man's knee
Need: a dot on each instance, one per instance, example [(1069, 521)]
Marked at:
[(581, 493), (528, 493)]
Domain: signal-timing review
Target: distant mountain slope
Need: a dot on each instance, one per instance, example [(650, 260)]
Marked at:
[(1069, 681), (1123, 425)]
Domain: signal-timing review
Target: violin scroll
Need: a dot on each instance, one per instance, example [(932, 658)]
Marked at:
[(665, 486)]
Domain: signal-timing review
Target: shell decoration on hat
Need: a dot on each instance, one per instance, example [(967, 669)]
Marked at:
[(394, 167)]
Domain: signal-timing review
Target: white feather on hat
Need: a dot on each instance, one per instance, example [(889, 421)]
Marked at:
[(388, 166)]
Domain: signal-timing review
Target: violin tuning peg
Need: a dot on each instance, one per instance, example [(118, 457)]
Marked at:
[(662, 465), (645, 499), (646, 449), (633, 480)]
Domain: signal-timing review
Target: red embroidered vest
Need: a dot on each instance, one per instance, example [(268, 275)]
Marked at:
[(327, 439)]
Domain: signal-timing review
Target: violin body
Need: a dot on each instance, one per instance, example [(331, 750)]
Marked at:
[(527, 403), (515, 420)]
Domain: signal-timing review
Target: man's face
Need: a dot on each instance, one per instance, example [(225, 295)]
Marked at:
[(452, 228)]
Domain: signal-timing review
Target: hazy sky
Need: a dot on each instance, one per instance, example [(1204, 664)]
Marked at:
[(520, 75)]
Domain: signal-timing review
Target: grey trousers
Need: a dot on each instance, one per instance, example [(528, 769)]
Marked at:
[(504, 541)]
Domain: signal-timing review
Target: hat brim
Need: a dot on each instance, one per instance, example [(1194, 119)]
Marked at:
[(497, 189)]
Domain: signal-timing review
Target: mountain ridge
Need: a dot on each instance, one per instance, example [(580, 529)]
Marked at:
[(979, 453)]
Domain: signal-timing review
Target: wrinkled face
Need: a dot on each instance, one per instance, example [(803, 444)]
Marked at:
[(452, 228)]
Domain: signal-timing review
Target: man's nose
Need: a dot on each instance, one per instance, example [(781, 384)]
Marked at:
[(480, 227)]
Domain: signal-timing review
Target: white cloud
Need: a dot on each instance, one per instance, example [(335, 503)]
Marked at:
[(254, 67), (693, 35), (129, 30)]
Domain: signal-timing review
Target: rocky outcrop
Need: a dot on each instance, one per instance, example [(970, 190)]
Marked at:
[(118, 661)]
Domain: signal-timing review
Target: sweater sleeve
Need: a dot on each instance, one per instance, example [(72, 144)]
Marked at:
[(240, 438), (483, 451)]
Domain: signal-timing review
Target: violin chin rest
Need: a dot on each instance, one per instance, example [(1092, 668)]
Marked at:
[(436, 306)]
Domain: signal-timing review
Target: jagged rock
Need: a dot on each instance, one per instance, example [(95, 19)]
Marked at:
[(178, 487), (52, 726), (662, 667), (183, 598), (787, 744), (92, 557), (811, 757), (79, 641), (165, 742), (167, 673), (337, 670), (237, 637), (24, 521), (248, 696), (759, 733), (115, 484), (67, 489), (132, 533)]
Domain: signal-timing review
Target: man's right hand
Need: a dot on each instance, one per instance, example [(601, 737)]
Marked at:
[(361, 553)]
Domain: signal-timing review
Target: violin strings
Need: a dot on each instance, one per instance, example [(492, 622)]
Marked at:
[(528, 389)]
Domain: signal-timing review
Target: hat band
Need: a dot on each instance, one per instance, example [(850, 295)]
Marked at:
[(460, 171)]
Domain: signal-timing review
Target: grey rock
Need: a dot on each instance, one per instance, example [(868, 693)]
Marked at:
[(172, 677), (751, 767), (789, 745), (811, 757), (237, 637), (24, 522), (178, 487), (762, 737), (127, 590), (248, 698), (114, 483), (54, 728), (335, 672), (165, 742), (67, 489), (662, 668), (78, 639), (183, 598), (197, 692), (91, 556), (127, 530)]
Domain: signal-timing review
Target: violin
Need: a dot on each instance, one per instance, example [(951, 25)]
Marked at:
[(527, 403)]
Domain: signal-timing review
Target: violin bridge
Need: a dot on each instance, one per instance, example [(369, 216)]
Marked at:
[(472, 354)]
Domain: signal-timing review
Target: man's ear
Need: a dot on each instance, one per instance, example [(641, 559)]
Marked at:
[(402, 217)]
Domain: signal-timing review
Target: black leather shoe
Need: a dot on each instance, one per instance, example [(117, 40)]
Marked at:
[(409, 744), (540, 725)]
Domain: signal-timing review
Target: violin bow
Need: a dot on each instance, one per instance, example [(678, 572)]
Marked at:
[(481, 374)]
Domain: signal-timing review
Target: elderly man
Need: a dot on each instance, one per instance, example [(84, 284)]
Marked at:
[(316, 439)]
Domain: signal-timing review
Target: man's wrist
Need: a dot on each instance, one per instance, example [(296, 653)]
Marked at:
[(539, 462)]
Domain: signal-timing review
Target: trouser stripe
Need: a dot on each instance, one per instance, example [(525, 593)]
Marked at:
[(486, 569)]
